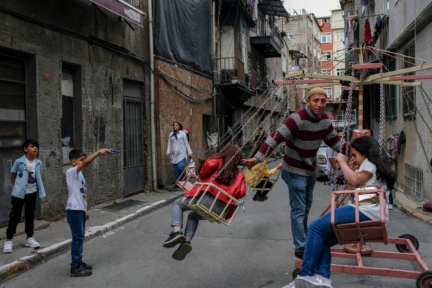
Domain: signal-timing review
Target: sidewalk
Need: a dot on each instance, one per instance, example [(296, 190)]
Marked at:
[(412, 208), (54, 237)]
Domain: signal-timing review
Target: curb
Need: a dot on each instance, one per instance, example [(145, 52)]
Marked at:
[(416, 213), (15, 268)]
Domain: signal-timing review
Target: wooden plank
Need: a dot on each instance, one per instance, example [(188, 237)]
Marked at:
[(294, 74), (345, 88), (308, 81), (376, 77), (366, 66), (398, 83), (410, 77), (317, 85), (325, 76)]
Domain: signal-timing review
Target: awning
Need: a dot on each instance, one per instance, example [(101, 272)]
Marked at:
[(273, 7), (123, 9)]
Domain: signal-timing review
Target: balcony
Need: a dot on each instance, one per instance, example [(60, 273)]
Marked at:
[(266, 39), (234, 82)]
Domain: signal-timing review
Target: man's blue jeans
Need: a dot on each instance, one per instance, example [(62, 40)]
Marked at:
[(178, 169), (300, 195), (317, 257), (76, 220)]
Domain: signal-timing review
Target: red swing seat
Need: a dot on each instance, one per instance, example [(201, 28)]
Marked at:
[(373, 231)]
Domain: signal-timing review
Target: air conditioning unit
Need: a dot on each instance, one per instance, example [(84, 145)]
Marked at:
[(337, 99)]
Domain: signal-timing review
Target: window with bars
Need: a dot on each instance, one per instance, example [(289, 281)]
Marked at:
[(408, 93), (13, 87), (413, 182)]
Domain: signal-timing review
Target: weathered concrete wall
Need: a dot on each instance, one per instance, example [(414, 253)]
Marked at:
[(67, 38), (172, 106)]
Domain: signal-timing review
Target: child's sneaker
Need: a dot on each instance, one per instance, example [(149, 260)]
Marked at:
[(8, 247), (80, 271), (313, 281), (184, 249), (31, 242), (174, 239), (290, 285)]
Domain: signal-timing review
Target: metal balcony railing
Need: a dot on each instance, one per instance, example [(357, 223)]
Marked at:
[(232, 69), (264, 28)]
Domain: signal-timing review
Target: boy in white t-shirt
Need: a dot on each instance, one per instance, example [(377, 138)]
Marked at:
[(76, 208)]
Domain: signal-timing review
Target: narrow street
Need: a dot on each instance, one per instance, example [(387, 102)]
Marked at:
[(255, 251)]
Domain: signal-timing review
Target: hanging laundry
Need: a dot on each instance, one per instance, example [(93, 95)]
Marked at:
[(351, 32), (364, 2), (255, 10), (367, 33), (401, 141)]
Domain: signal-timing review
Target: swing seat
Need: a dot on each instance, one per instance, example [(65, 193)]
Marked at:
[(212, 210), (265, 185), (366, 231), (188, 179)]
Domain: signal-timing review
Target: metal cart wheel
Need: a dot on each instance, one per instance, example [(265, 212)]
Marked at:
[(424, 280), (403, 248)]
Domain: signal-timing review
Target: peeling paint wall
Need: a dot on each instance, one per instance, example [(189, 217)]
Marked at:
[(77, 33)]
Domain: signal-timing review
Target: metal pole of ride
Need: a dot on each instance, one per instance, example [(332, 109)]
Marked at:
[(360, 107)]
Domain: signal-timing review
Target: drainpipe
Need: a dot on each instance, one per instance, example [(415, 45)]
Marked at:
[(152, 97)]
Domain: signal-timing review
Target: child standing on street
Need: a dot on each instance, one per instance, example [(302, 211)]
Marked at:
[(26, 177), (76, 208)]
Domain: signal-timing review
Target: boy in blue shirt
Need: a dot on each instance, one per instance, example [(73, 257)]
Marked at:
[(26, 177), (76, 208)]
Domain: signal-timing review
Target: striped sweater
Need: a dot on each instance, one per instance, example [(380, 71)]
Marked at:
[(303, 135)]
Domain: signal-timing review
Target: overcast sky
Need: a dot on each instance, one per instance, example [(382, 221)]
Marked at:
[(318, 7)]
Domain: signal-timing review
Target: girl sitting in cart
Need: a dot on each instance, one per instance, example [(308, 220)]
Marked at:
[(230, 180), (373, 170)]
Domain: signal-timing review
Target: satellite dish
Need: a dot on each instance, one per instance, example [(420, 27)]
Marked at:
[(303, 11)]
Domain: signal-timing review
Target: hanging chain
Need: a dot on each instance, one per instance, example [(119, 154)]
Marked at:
[(269, 91), (347, 125), (346, 128), (382, 114), (238, 151)]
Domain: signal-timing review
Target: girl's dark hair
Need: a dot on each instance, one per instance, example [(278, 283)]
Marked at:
[(180, 125), (369, 147), (230, 172)]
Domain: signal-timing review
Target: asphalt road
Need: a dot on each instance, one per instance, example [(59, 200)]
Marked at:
[(255, 251)]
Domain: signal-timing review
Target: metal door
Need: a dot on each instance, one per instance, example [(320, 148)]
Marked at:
[(132, 138)]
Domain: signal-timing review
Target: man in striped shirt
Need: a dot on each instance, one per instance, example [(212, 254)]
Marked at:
[(303, 131)]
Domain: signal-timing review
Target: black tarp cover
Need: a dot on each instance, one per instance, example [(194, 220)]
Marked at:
[(183, 32)]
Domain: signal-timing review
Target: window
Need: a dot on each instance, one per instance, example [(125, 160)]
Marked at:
[(309, 23), (408, 93), (326, 56), (341, 16), (413, 182), (13, 86), (328, 91), (326, 71), (340, 72), (339, 36), (325, 37), (351, 14)]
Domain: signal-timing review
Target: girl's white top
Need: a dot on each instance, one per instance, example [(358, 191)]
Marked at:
[(373, 210), (178, 147)]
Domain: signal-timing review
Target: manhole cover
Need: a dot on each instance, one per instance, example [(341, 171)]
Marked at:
[(122, 205)]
